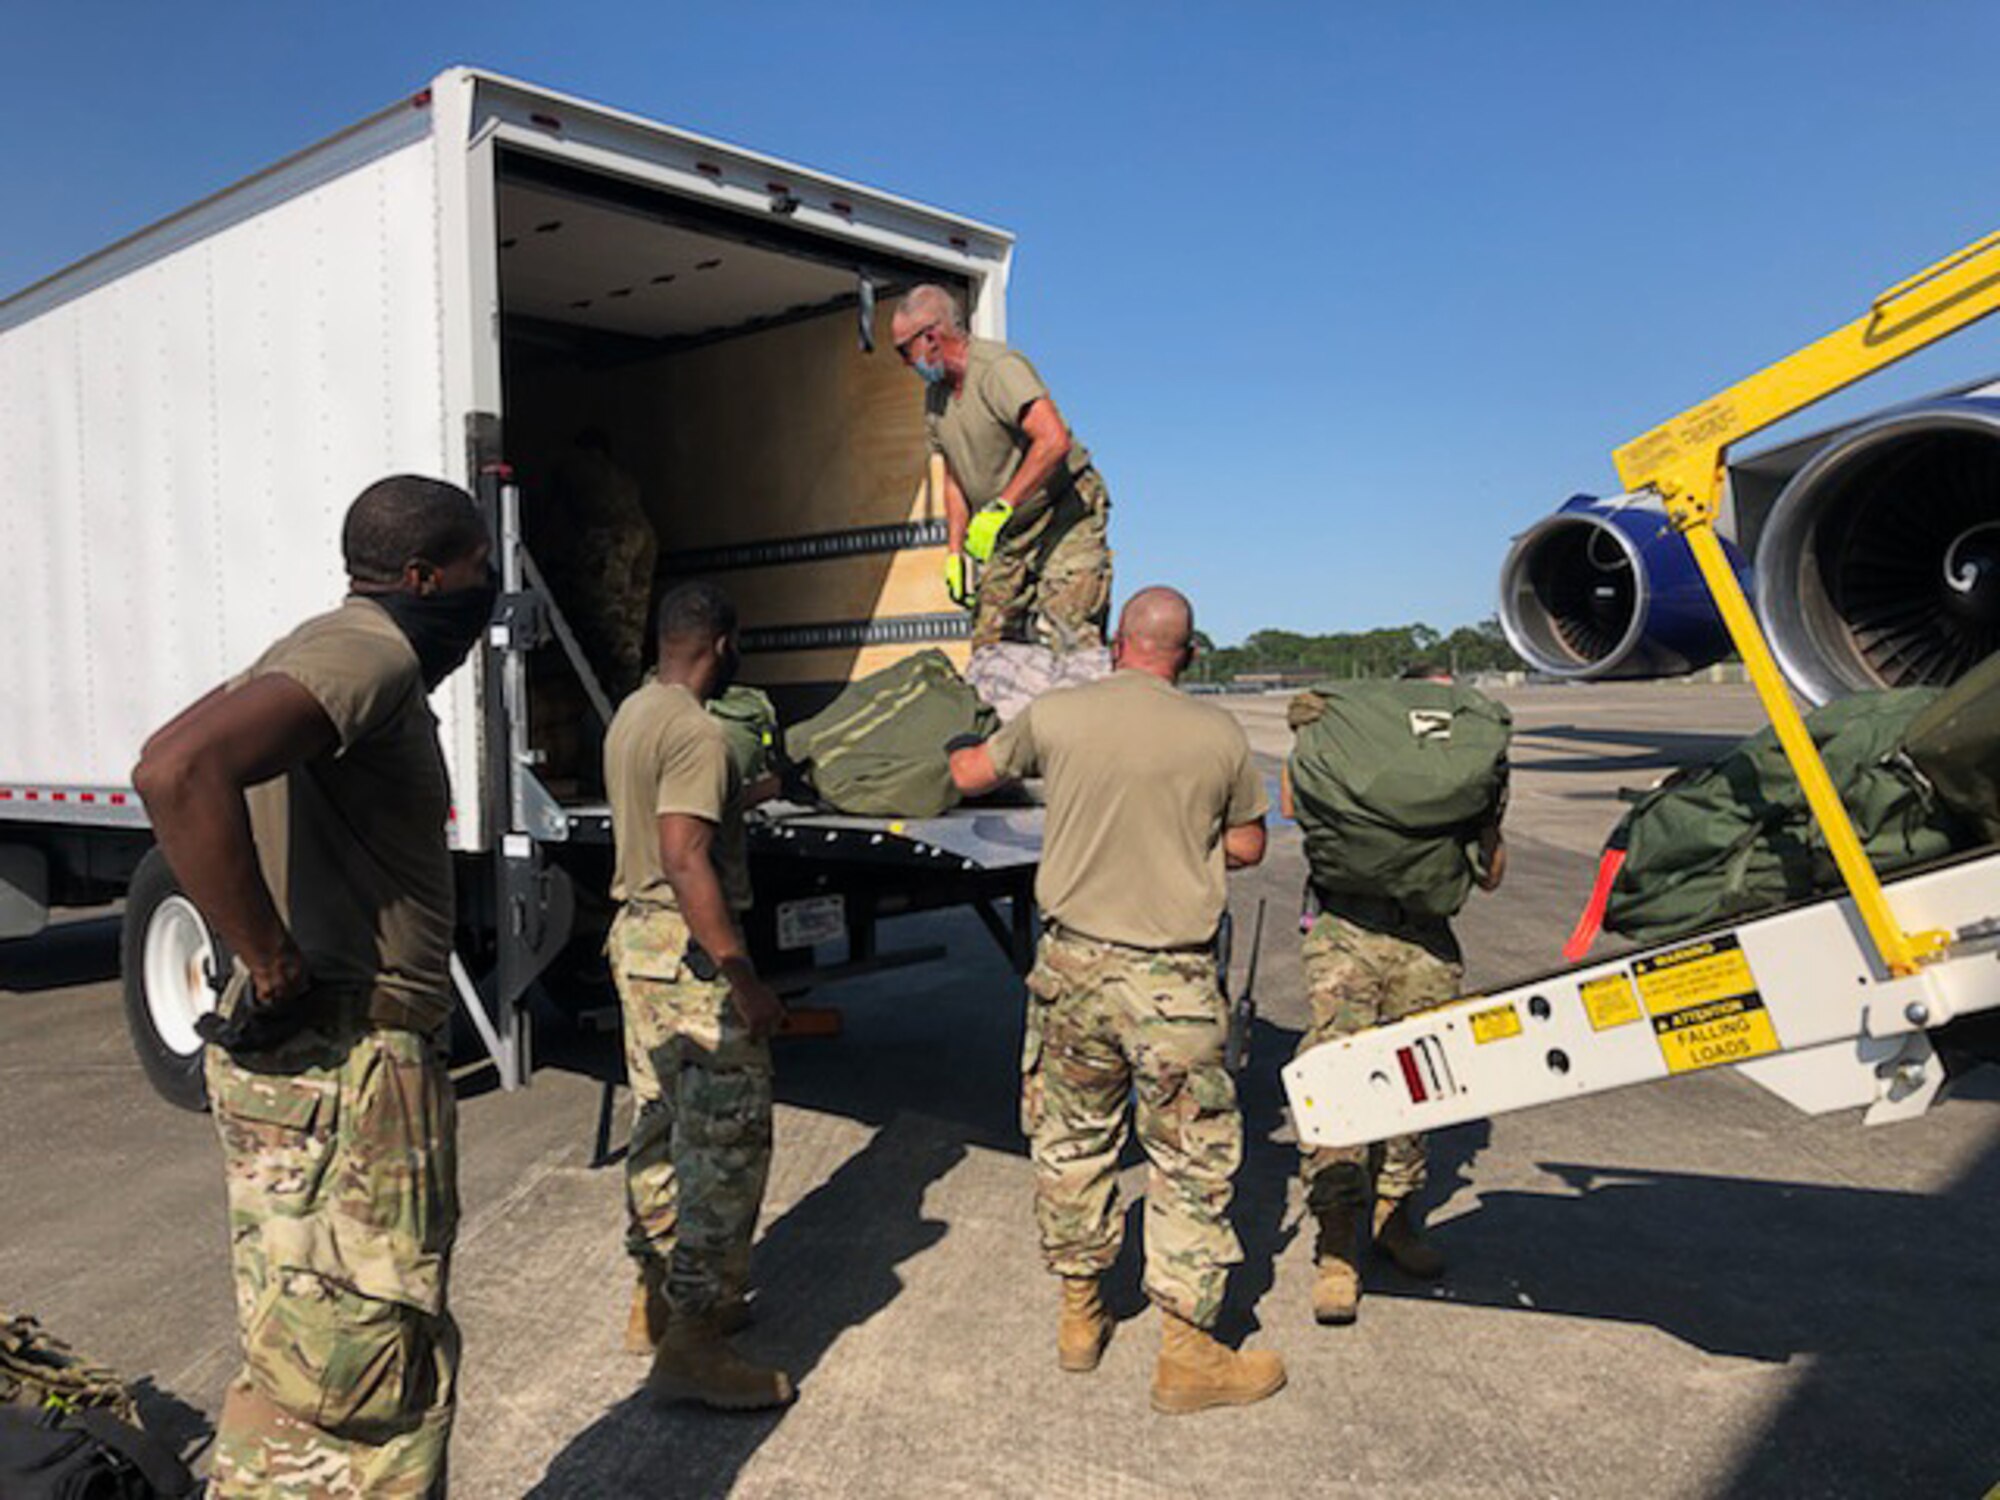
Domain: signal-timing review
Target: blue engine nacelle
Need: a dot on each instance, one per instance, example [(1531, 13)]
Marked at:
[(1605, 589)]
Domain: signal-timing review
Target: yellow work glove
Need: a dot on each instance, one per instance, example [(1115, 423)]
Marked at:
[(985, 528), (958, 580)]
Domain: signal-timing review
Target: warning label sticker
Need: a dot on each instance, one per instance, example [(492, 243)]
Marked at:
[(1705, 1007), (1495, 1024), (1609, 1002)]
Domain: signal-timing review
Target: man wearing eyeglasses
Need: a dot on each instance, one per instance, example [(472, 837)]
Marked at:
[(1020, 495)]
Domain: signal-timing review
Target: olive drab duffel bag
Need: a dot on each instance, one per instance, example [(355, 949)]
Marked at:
[(1392, 782), (1955, 742), (878, 749), (1735, 836), (750, 723)]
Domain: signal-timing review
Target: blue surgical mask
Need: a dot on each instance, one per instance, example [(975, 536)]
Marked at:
[(930, 370)]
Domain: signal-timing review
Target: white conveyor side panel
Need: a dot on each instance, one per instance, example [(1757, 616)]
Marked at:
[(1796, 982)]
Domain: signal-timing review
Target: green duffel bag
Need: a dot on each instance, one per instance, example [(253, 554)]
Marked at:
[(1955, 742), (751, 725), (1392, 782), (878, 749), (1736, 836)]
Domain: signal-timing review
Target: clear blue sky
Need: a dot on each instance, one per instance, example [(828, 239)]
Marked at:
[(1341, 296)]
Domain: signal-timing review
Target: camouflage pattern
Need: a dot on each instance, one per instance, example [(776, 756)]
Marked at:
[(605, 590), (1358, 977), (41, 1372), (339, 1154), (701, 1114), (1108, 1024), (1050, 573), (1010, 675)]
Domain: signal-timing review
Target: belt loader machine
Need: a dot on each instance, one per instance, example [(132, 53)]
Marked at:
[(1831, 1004)]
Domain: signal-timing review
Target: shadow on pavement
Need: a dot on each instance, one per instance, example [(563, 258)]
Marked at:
[(61, 957), (826, 1266), (1900, 1399), (1262, 1207), (1647, 749), (1883, 1294), (185, 1429), (1754, 1269)]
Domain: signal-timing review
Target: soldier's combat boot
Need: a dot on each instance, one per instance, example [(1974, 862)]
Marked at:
[(1399, 1234), (1085, 1328), (1336, 1295), (694, 1364), (732, 1309), (1195, 1372), (648, 1317)]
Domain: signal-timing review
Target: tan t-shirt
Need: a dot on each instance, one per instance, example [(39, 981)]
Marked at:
[(665, 754), (352, 844), (1140, 780), (979, 429)]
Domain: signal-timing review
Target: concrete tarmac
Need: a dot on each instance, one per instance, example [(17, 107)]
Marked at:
[(1684, 1289)]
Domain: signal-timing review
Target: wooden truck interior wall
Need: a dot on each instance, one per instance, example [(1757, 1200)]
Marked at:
[(731, 384)]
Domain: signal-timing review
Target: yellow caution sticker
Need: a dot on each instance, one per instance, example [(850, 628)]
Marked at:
[(1705, 1007), (1609, 1002), (1495, 1024)]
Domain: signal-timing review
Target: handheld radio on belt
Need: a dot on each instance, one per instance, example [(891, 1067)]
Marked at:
[(1243, 1012)]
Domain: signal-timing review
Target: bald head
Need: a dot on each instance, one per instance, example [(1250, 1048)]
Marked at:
[(1155, 630)]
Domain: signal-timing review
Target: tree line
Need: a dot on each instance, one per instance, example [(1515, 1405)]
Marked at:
[(1384, 652)]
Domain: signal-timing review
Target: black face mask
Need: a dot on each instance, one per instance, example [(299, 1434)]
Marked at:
[(442, 628)]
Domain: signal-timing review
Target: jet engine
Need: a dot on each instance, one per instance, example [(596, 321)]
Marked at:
[(1606, 589), (1879, 562)]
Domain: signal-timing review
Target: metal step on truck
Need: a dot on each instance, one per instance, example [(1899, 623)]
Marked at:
[(457, 286)]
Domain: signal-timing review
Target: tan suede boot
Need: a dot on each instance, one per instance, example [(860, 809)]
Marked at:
[(694, 1364), (1336, 1294), (648, 1317), (1085, 1328), (1399, 1234), (733, 1309), (1195, 1372)]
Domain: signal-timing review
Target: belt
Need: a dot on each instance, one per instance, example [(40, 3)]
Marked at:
[(386, 1012), (1058, 491), (1383, 913), (640, 907), (1063, 930), (377, 1009)]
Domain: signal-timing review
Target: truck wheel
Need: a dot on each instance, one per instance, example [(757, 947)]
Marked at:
[(168, 953)]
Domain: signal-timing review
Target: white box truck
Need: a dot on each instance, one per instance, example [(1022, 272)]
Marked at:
[(456, 286)]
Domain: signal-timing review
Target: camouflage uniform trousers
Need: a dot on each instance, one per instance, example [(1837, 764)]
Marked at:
[(606, 592), (340, 1158), (701, 1118), (1359, 977), (1108, 1024), (1050, 573)]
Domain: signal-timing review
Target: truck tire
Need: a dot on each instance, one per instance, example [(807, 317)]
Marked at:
[(167, 952)]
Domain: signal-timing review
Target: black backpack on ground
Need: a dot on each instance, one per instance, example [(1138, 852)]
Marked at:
[(84, 1455), (69, 1427)]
